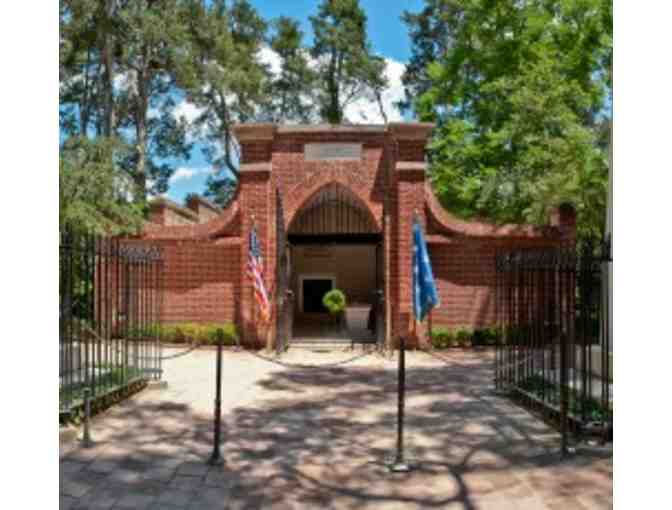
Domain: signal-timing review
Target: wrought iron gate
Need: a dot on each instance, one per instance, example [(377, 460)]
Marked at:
[(554, 351), (110, 303), (283, 295)]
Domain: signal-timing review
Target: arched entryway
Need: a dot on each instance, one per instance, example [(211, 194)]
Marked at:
[(335, 242)]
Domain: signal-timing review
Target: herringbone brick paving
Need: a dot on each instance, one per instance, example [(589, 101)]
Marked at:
[(297, 438)]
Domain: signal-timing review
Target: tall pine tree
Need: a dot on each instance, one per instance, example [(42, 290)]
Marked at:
[(118, 62), (224, 78), (290, 95), (347, 68)]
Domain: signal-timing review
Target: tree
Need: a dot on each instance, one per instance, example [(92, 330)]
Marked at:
[(93, 195), (221, 189), (429, 35), (118, 62), (290, 93), (81, 68), (346, 66), (149, 40), (225, 79), (518, 92)]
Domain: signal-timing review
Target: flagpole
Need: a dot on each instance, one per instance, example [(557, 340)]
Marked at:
[(399, 465), (252, 297)]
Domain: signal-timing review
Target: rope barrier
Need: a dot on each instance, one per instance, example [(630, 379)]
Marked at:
[(189, 350), (325, 366), (286, 364)]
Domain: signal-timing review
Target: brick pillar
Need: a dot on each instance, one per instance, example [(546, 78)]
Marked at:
[(256, 204), (408, 196)]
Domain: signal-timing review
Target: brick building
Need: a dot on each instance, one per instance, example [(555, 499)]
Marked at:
[(333, 207)]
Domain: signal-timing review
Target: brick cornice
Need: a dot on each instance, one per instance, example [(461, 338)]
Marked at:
[(331, 128), (169, 204), (198, 199), (267, 131), (410, 170), (255, 170), (255, 132), (410, 130)]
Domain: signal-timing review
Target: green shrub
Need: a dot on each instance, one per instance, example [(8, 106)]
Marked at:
[(480, 336), (229, 330), (190, 331), (208, 333), (464, 336), (485, 336), (442, 337), (199, 333), (493, 335), (334, 301), (172, 333)]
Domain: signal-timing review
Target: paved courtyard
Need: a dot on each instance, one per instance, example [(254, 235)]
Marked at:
[(301, 438)]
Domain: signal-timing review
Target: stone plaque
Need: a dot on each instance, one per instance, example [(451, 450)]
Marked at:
[(333, 151)]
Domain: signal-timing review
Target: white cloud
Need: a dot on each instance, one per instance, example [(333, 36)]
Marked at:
[(189, 111), (269, 57), (365, 110), (185, 173)]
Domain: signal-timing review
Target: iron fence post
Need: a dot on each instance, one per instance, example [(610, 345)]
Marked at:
[(564, 393), (86, 437), (216, 458), (399, 465)]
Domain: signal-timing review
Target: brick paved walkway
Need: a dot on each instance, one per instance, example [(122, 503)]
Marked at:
[(319, 439)]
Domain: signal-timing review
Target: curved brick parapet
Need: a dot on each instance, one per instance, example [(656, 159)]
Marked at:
[(443, 222), (226, 224), (383, 172)]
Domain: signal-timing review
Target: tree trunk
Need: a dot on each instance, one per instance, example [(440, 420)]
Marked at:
[(140, 177), (108, 76), (334, 115)]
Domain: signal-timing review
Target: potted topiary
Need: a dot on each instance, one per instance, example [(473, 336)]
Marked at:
[(334, 301)]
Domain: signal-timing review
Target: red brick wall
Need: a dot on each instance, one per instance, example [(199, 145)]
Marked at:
[(205, 264), (465, 272), (200, 281), (298, 180)]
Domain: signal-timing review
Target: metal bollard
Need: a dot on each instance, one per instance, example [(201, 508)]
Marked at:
[(216, 458), (399, 465), (86, 438)]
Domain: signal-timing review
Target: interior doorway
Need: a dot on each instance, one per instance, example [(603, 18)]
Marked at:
[(312, 289), (334, 244)]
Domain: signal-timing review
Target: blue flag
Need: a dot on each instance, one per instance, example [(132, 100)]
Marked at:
[(425, 295)]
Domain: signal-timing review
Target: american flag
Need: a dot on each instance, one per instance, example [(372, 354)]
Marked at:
[(255, 270)]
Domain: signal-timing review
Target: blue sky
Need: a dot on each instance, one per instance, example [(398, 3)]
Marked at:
[(389, 38), (386, 31)]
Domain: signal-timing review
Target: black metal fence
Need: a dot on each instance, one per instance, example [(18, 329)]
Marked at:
[(554, 352), (110, 301)]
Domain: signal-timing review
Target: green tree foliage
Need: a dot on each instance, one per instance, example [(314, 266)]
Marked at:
[(118, 62), (149, 38), (221, 190), (518, 90), (225, 79), (290, 93), (346, 66), (81, 67), (429, 33), (93, 195)]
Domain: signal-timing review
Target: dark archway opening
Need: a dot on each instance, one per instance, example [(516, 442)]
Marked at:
[(335, 243)]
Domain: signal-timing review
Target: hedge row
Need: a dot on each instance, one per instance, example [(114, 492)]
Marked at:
[(188, 332), (443, 337)]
